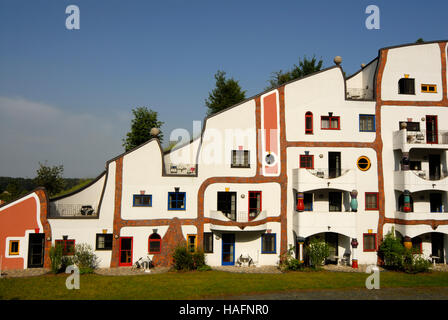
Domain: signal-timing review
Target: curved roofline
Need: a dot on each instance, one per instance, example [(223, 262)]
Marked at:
[(412, 44), (80, 189), (357, 72), (25, 195)]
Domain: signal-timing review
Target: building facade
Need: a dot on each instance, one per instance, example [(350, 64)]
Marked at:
[(346, 160)]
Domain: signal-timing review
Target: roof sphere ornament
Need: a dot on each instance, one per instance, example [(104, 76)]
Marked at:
[(337, 60), (154, 132)]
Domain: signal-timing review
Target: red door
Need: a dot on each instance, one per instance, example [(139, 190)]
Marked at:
[(125, 251), (431, 129), (254, 204)]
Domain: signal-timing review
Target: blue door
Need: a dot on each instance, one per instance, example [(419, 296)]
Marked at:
[(228, 249)]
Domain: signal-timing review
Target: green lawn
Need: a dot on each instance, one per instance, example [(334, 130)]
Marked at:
[(197, 285)]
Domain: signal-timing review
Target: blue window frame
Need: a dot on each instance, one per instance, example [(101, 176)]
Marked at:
[(142, 200), (268, 243), (367, 123), (176, 200)]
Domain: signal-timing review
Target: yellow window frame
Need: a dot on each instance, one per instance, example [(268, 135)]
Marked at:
[(369, 164), (195, 236), (425, 88), (14, 253)]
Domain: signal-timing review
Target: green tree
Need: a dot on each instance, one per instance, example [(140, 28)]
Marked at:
[(227, 93), (144, 120), (50, 178), (305, 67), (420, 40)]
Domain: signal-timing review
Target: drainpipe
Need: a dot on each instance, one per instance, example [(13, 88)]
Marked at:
[(300, 241)]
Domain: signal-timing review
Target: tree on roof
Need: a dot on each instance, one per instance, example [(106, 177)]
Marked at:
[(226, 93), (50, 178), (144, 120), (305, 67), (420, 40)]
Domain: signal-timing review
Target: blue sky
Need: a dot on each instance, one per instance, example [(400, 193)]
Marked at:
[(66, 95)]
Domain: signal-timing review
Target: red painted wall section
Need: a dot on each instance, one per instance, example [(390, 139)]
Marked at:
[(14, 221), (271, 132)]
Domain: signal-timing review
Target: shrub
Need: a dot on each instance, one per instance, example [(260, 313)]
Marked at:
[(184, 259), (392, 252), (84, 258), (56, 258), (288, 262), (414, 263), (198, 259), (317, 251), (204, 268)]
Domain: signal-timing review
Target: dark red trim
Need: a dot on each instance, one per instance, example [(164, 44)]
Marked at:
[(329, 119), (309, 115), (159, 240), (312, 161), (251, 195), (124, 264), (363, 244), (64, 246), (377, 201)]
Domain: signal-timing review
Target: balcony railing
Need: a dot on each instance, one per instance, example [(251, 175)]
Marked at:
[(181, 169), (326, 173), (431, 176), (359, 94), (62, 210), (422, 137), (240, 216)]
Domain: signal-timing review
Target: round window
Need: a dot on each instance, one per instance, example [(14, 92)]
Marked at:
[(363, 163), (270, 159)]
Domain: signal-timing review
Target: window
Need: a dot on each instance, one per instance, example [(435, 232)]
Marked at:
[(367, 123), (335, 201), (104, 241), (240, 159), (369, 242), (14, 247), (307, 161), (435, 201), (363, 163), (406, 86), (410, 126), (330, 123), (308, 123), (417, 245), (227, 204), (268, 243), (68, 246), (208, 242), (191, 242), (430, 88), (142, 200), (154, 243), (176, 200), (372, 201), (254, 204), (308, 201)]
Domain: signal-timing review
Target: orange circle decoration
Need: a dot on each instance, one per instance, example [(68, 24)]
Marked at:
[(363, 163)]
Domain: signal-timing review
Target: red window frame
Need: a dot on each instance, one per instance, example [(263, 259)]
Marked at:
[(329, 119), (309, 115), (420, 242), (363, 243), (124, 264), (307, 156), (377, 200), (64, 246), (252, 194), (159, 240)]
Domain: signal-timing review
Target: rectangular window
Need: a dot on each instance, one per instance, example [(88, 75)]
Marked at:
[(176, 200), (369, 242), (307, 161), (68, 246), (417, 245), (335, 201), (268, 243), (240, 159), (208, 242), (410, 126), (435, 201), (254, 204), (367, 123), (372, 201), (430, 88), (227, 204), (191, 242), (104, 241), (14, 247), (415, 165), (406, 86), (142, 200), (330, 123), (308, 201)]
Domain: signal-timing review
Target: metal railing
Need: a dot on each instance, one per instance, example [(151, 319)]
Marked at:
[(429, 175), (359, 93), (184, 169), (58, 210), (427, 137), (325, 173), (240, 216)]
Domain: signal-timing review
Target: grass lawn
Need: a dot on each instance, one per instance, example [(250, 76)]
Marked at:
[(198, 285)]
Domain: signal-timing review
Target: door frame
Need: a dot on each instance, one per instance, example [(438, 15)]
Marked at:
[(121, 264), (337, 168), (42, 235), (222, 250), (436, 130)]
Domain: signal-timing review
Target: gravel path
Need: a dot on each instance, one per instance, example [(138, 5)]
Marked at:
[(32, 272), (263, 269), (127, 271)]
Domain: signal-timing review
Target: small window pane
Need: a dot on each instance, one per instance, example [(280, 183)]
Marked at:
[(208, 242), (369, 242), (268, 243)]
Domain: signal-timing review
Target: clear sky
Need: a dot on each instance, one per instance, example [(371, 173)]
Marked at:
[(66, 95)]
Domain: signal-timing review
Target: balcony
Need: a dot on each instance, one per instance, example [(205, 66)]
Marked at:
[(359, 94), (406, 140), (420, 180), (311, 179), (234, 220), (180, 169), (80, 211), (421, 215)]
